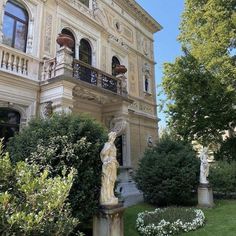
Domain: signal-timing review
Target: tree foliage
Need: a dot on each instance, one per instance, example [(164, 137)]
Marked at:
[(66, 141), (168, 173), (201, 105), (201, 85), (31, 202)]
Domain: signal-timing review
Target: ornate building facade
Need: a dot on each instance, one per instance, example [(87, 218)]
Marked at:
[(38, 76)]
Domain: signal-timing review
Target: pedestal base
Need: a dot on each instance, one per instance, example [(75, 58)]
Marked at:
[(205, 196), (109, 222), (127, 188)]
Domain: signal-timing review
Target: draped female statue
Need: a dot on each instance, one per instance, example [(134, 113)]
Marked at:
[(204, 168), (109, 171)]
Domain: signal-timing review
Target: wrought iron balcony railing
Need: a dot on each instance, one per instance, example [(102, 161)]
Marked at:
[(86, 73), (94, 76)]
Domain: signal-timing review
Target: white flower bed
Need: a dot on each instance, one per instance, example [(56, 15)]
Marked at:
[(165, 228)]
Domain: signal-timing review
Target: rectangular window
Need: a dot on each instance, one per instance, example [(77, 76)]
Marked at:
[(85, 2)]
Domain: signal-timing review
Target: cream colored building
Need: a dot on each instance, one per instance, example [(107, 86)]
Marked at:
[(36, 74)]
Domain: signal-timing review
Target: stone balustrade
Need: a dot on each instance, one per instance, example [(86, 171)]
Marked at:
[(19, 63)]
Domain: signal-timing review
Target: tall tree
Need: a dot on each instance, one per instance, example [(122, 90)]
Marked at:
[(201, 85)]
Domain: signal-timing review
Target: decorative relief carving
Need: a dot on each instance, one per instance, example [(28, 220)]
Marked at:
[(128, 33), (145, 46), (118, 125), (99, 14), (80, 7), (131, 67), (146, 108), (48, 33), (134, 106), (118, 41), (46, 109), (104, 58), (91, 96)]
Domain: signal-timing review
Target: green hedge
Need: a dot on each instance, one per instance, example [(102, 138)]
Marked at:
[(222, 177), (66, 141), (168, 173)]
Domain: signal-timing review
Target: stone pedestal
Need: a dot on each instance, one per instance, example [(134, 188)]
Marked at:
[(109, 222), (205, 196), (127, 187)]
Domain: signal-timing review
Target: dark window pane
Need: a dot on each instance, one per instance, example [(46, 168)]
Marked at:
[(9, 123), (9, 116), (8, 28), (115, 62), (85, 2), (16, 10), (85, 52), (20, 36)]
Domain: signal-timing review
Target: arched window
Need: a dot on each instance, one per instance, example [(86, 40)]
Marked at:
[(115, 62), (85, 52), (9, 123), (67, 32), (15, 25)]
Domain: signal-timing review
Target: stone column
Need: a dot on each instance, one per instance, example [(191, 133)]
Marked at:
[(64, 62), (109, 222)]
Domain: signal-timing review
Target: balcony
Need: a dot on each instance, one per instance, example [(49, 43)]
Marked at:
[(18, 63), (65, 65)]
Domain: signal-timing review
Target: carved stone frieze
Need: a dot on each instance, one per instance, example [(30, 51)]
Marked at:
[(117, 41), (134, 106), (89, 95), (146, 108)]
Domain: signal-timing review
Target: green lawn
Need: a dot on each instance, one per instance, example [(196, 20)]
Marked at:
[(220, 220)]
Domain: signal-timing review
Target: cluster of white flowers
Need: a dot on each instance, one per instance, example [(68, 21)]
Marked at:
[(166, 228)]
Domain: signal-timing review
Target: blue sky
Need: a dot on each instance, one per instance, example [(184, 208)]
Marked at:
[(167, 48)]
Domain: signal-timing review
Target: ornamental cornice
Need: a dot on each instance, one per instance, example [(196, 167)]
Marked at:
[(139, 14)]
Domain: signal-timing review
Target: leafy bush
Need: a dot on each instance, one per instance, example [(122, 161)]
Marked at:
[(168, 173), (223, 178), (32, 203), (66, 141), (227, 150), (169, 221)]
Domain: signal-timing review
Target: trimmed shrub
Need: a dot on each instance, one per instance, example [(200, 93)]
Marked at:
[(168, 173), (223, 178), (169, 221), (32, 203), (66, 141)]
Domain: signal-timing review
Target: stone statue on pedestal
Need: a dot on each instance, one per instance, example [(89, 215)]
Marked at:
[(109, 171), (204, 168)]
